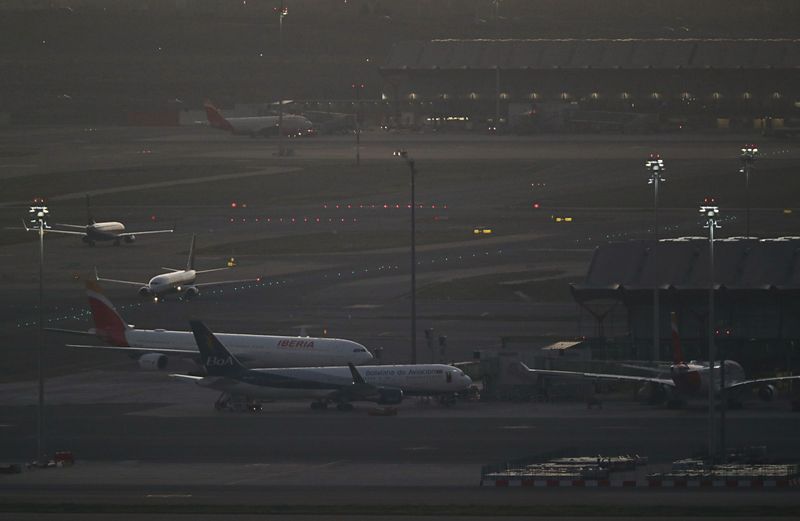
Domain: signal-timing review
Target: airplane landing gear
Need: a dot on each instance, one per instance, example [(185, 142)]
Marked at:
[(226, 402), (447, 400)]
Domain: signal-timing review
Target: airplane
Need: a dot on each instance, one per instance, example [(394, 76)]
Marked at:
[(382, 384), (95, 231), (290, 125), (154, 347), (686, 379), (176, 281)]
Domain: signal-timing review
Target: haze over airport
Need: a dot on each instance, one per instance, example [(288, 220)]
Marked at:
[(518, 230)]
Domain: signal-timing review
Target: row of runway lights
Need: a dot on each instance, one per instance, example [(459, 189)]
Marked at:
[(365, 206), (335, 206), (81, 312), (676, 227)]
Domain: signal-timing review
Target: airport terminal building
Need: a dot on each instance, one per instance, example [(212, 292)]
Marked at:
[(756, 281), (596, 84)]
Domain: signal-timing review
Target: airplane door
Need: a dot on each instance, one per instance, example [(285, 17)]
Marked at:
[(449, 377)]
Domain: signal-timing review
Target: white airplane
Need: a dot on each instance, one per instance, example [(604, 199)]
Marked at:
[(290, 124), (98, 231), (154, 347), (382, 384), (686, 379), (176, 281)]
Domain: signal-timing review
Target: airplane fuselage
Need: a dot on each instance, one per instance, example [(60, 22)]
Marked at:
[(104, 231), (318, 382), (692, 379), (260, 350), (172, 282), (292, 125)]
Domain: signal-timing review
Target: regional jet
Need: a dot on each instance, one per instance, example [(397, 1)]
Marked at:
[(94, 231), (382, 384), (154, 347), (686, 379), (176, 281), (290, 124)]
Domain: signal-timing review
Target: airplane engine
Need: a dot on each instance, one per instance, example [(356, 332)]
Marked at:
[(767, 393), (153, 362), (130, 238), (192, 292), (390, 396), (144, 291)]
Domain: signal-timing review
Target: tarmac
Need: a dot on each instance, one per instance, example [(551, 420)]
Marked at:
[(144, 440)]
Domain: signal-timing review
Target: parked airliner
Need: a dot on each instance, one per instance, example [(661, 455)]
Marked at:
[(154, 347), (94, 231), (290, 124), (686, 379), (176, 281), (382, 384)]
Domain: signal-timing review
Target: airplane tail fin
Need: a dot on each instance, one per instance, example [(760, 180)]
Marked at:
[(215, 117), (215, 357), (677, 352), (190, 261), (108, 323)]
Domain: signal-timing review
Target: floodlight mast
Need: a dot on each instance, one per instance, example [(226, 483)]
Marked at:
[(410, 162), (282, 12), (39, 217), (710, 214), (655, 166), (748, 158)]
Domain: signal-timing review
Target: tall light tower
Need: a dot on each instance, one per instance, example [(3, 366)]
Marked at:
[(748, 158), (410, 163), (710, 214), (282, 12), (655, 167), (358, 86), (38, 218)]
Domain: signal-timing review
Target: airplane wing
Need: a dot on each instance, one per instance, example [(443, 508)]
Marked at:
[(53, 230), (76, 226), (599, 376), (760, 381), (209, 271), (169, 269), (126, 234), (135, 349), (91, 332), (128, 282), (186, 377), (206, 284)]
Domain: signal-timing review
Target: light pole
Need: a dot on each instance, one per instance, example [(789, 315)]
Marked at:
[(710, 214), (748, 157), (282, 11), (410, 163), (655, 167), (38, 217), (358, 87)]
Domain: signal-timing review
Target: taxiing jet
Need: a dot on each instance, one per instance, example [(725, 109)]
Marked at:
[(176, 281), (94, 231), (290, 124), (382, 384), (154, 347), (686, 379)]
